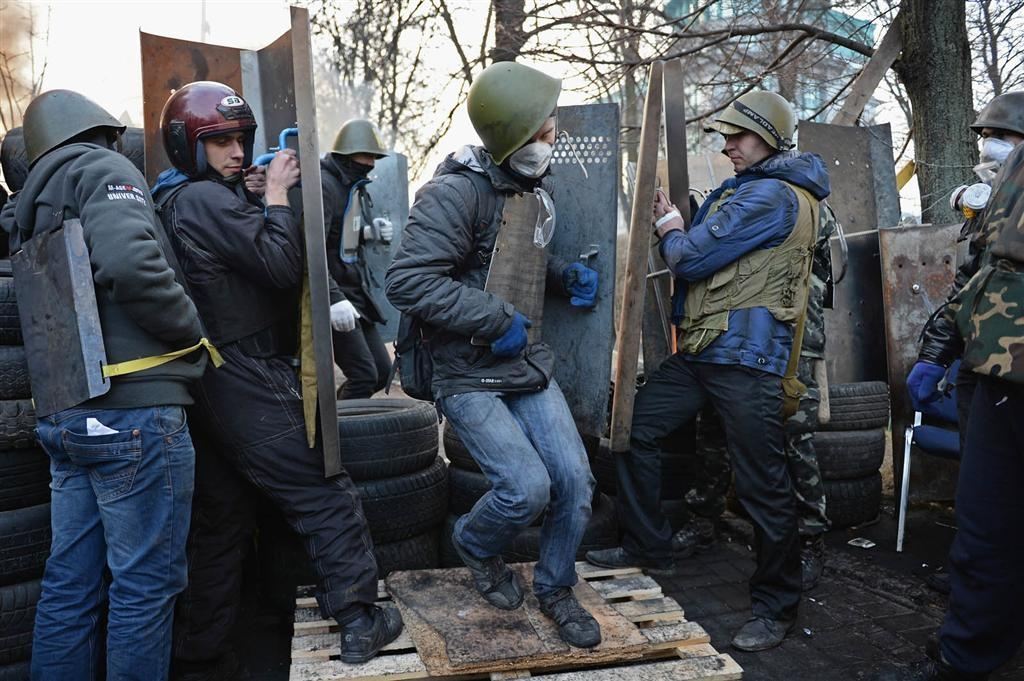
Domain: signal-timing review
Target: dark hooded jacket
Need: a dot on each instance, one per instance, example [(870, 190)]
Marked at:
[(348, 279), (439, 272), (759, 212), (143, 311)]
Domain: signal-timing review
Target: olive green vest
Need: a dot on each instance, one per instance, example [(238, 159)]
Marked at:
[(774, 278)]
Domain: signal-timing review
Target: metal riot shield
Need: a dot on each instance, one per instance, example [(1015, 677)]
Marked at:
[(277, 81), (59, 319), (864, 198), (584, 184), (390, 193)]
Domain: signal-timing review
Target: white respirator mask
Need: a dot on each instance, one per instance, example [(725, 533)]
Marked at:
[(993, 152), (531, 160)]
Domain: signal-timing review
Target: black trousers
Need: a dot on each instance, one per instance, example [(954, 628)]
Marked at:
[(361, 354), (248, 414), (750, 405), (983, 626)]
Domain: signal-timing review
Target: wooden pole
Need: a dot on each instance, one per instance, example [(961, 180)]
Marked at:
[(871, 75), (631, 316)]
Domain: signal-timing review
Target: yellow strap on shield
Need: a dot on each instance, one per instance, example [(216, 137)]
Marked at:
[(307, 358), (136, 365)]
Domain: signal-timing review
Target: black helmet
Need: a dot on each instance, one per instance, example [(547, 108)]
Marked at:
[(54, 117), (198, 110)]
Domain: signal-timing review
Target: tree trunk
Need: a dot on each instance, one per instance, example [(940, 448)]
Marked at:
[(935, 68), (509, 37)]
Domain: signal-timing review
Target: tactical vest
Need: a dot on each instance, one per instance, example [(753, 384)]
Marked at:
[(774, 278)]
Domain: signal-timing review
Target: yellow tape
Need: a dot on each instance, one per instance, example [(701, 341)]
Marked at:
[(136, 365)]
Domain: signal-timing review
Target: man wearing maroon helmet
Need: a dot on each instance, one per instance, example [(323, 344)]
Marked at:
[(243, 264)]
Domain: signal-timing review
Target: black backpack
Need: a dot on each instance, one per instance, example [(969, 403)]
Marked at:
[(413, 362)]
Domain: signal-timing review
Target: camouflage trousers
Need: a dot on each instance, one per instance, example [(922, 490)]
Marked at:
[(714, 473)]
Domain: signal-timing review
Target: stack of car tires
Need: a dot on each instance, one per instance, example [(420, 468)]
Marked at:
[(24, 494), (850, 449), (390, 449), (467, 484)]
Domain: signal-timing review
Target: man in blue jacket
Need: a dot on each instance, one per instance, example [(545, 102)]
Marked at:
[(741, 286)]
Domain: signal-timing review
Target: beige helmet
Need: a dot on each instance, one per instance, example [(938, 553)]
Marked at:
[(765, 113), (358, 136), (508, 103)]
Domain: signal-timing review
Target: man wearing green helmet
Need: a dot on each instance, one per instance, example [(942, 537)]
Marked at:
[(358, 347), (742, 272), (500, 397)]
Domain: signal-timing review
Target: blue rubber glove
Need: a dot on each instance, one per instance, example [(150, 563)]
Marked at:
[(581, 283), (512, 342), (923, 383)]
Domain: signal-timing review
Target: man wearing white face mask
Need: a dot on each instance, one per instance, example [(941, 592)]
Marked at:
[(1000, 127), (500, 397)]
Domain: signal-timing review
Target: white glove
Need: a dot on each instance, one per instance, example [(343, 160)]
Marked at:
[(383, 228), (344, 316)]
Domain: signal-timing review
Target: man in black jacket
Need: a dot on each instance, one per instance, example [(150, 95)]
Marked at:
[(358, 347), (122, 463), (496, 388), (243, 264)]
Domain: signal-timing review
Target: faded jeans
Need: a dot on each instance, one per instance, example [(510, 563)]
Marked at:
[(528, 447), (121, 500)]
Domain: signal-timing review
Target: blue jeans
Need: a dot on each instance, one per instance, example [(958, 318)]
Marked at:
[(528, 447), (120, 500)]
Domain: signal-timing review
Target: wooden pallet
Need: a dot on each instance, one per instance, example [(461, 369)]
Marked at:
[(672, 648)]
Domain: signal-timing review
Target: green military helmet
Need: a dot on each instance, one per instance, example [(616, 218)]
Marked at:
[(1005, 112), (508, 103), (765, 113), (56, 116), (358, 136)]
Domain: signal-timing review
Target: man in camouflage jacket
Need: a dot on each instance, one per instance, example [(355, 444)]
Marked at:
[(983, 626)]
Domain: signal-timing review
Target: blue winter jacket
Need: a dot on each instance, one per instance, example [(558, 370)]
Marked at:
[(760, 214)]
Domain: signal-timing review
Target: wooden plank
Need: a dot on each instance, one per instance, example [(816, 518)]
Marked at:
[(456, 633), (871, 75), (678, 635), (635, 588), (631, 314), (518, 269), (380, 668), (323, 645), (508, 676), (587, 571), (650, 610), (717, 668)]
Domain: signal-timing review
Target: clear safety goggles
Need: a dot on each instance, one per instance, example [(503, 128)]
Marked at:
[(544, 229)]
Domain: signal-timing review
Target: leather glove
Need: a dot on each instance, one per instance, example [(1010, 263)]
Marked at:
[(381, 228), (581, 283), (923, 383), (344, 316), (512, 342)]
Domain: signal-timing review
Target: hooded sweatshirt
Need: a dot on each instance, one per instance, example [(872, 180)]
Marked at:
[(143, 311), (759, 212)]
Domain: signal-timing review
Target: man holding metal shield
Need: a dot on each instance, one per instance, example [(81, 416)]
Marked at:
[(243, 263), (122, 460), (492, 383), (358, 348)]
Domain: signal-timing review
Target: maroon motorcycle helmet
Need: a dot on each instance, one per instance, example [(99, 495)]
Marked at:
[(198, 110)]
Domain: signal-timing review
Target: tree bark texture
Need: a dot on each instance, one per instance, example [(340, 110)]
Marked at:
[(509, 35), (936, 70)]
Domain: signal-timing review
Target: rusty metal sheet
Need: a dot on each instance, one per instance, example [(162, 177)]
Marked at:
[(390, 193), (169, 63), (918, 266), (864, 197), (584, 184)]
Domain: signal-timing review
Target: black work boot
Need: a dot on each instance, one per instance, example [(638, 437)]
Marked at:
[(363, 637), (812, 561), (621, 558), (761, 633), (576, 626), (493, 580), (696, 535)]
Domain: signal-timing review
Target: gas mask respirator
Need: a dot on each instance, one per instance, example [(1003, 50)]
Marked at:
[(532, 160), (993, 152)]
